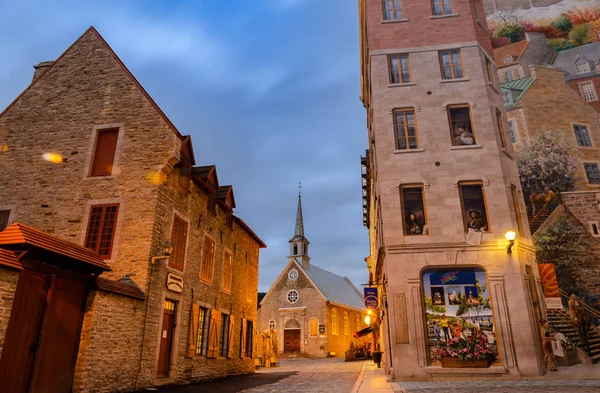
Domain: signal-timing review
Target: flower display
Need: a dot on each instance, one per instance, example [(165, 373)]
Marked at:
[(470, 348)]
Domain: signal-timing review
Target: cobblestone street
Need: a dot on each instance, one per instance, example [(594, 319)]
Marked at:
[(499, 386), (313, 375)]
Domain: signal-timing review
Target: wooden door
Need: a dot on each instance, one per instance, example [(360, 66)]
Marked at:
[(291, 340), (21, 341), (166, 338), (59, 338)]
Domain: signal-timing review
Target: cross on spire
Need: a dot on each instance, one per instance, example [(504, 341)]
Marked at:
[(299, 187)]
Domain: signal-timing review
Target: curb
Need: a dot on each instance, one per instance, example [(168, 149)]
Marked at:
[(359, 379)]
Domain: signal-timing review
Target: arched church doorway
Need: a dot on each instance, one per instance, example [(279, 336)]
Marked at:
[(291, 336)]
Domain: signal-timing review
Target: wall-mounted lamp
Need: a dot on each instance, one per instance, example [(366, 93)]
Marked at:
[(166, 251), (510, 236), (367, 320)]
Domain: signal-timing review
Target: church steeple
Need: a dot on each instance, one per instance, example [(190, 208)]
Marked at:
[(298, 243)]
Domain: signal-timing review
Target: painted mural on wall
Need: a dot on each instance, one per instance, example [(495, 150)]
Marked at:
[(458, 310), (566, 23)]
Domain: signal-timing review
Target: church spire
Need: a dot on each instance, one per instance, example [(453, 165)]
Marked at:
[(299, 243)]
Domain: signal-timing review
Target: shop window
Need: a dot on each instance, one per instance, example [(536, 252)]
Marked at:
[(474, 210), (413, 205), (461, 125)]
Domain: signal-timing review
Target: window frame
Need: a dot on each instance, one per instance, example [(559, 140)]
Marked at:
[(97, 133), (501, 131), (442, 6), (593, 93), (512, 75), (334, 322), (471, 122), (587, 132), (202, 331), (586, 70), (210, 268), (174, 258), (405, 111), (290, 275), (272, 324), (490, 69), (98, 241), (310, 327), (4, 219), (452, 64), (517, 208), (512, 134), (586, 172), (399, 57), (290, 293), (485, 204), (346, 324), (393, 10), (404, 213), (227, 271)]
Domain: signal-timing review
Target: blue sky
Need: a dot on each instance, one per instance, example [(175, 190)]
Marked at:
[(268, 89)]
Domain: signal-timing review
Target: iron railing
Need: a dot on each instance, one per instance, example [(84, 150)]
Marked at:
[(542, 215)]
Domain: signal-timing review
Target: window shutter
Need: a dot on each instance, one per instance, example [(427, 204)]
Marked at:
[(104, 155), (179, 237), (193, 334), (230, 349), (213, 334), (243, 339)]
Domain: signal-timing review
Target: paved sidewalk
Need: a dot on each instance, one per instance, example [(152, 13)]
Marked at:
[(372, 380)]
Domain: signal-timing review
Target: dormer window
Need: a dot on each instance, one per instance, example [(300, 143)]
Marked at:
[(582, 68), (508, 59)]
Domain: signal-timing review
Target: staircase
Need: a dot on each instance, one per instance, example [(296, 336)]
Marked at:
[(537, 220), (584, 334)]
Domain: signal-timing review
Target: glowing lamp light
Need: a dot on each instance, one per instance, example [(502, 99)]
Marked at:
[(510, 236), (368, 319), (54, 158), (369, 312)]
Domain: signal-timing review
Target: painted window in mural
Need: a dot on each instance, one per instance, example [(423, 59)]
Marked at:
[(458, 311), (461, 125), (473, 203), (415, 222)]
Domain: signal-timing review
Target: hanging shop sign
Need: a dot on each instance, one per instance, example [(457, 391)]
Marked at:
[(174, 283), (371, 298)]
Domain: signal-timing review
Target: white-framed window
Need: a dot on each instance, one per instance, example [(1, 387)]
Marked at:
[(293, 275), (509, 75), (346, 324), (592, 172), (506, 96), (271, 325), (582, 68), (582, 135), (512, 131), (508, 59), (334, 322), (293, 296), (588, 91)]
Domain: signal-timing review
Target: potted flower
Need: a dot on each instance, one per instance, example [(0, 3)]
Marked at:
[(473, 351)]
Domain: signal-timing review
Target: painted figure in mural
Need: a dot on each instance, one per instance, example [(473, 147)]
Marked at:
[(547, 338), (457, 330), (436, 329), (574, 308), (549, 194), (413, 227), (444, 323), (462, 136), (477, 223), (274, 348), (266, 341)]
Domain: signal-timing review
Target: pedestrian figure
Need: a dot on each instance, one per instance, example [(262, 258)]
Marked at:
[(444, 323), (574, 308), (547, 338), (436, 329)]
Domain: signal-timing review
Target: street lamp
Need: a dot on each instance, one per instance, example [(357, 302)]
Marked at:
[(167, 250), (510, 236)]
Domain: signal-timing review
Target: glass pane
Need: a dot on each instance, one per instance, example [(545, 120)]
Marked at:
[(447, 72), (388, 4), (414, 220), (400, 119), (412, 131), (395, 76), (400, 131), (437, 10), (458, 71), (405, 76), (410, 117), (398, 14), (397, 3), (394, 63), (388, 15), (445, 59), (401, 144), (456, 57), (412, 143), (447, 7), (404, 61)]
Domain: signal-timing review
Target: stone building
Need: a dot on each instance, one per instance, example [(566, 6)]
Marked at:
[(513, 60), (315, 312), (582, 71), (92, 159), (441, 191), (530, 100)]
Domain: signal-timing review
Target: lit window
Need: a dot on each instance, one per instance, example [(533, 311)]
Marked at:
[(346, 327), (314, 327), (202, 331), (292, 296), (399, 69), (415, 222), (582, 135), (592, 172), (512, 131), (509, 76), (588, 91), (461, 126), (582, 68), (334, 322), (271, 325), (451, 63), (392, 9), (441, 7), (406, 129), (473, 203), (293, 275)]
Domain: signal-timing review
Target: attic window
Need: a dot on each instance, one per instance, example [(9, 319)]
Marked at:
[(293, 275), (508, 59), (211, 203), (185, 168), (582, 68)]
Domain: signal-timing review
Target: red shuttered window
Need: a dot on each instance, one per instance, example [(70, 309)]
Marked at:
[(101, 229), (104, 155), (179, 238)]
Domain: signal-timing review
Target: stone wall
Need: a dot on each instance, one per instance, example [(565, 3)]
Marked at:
[(8, 287), (574, 83), (339, 343)]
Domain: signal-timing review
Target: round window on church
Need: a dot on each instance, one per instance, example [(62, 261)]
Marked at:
[(293, 275), (292, 296)]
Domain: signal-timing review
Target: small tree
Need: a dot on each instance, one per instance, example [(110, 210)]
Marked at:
[(564, 244), (512, 30), (562, 23), (547, 161), (579, 34), (437, 309)]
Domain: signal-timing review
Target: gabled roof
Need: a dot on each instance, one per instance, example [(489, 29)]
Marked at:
[(92, 30), (208, 174), (250, 232), (567, 59), (515, 50), (335, 288), (9, 259), (521, 84), (225, 194), (121, 287), (21, 235), (188, 148)]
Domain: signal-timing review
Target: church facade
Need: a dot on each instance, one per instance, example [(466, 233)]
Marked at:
[(315, 312)]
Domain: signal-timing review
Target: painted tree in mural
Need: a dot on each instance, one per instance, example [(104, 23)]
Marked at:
[(547, 161), (437, 309), (481, 304), (564, 244)]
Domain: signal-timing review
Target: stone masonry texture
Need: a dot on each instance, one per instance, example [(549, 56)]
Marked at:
[(87, 89), (8, 286)]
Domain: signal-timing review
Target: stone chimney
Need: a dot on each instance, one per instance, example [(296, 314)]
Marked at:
[(40, 68)]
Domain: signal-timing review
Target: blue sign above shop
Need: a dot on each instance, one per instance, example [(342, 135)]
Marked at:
[(371, 298)]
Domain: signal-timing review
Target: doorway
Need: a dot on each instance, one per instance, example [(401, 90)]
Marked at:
[(291, 340), (166, 338), (42, 337)]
